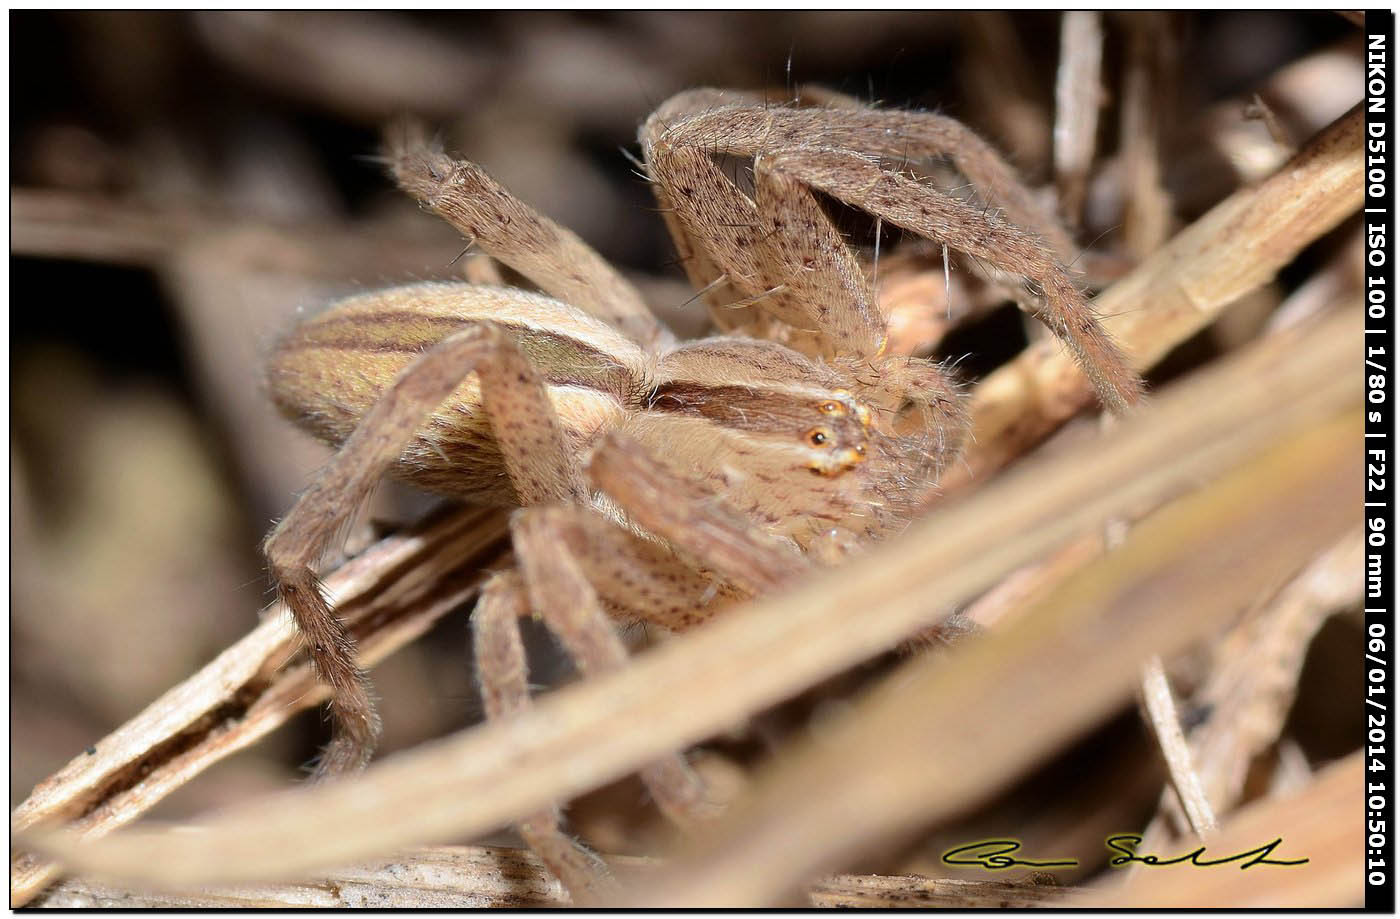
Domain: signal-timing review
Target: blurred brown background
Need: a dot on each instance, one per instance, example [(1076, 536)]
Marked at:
[(184, 184)]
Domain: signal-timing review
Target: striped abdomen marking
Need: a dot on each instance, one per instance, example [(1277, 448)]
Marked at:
[(332, 368)]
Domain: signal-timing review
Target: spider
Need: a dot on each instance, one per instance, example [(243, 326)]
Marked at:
[(658, 481)]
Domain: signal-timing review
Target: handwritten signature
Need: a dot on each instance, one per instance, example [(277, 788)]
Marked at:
[(1127, 843), (996, 855)]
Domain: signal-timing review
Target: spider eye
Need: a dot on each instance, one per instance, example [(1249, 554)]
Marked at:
[(817, 436), (830, 408)]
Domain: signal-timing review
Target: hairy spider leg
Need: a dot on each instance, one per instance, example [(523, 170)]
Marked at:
[(789, 249), (741, 125), (515, 234), (923, 210), (535, 459)]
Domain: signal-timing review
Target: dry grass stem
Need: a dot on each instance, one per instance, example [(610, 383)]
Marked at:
[(461, 877), (1235, 248), (1004, 89), (1078, 96), (1166, 725), (62, 224), (486, 877), (368, 67), (75, 225), (1147, 217), (1014, 593), (390, 595), (855, 891), (588, 734), (1254, 680), (1332, 878)]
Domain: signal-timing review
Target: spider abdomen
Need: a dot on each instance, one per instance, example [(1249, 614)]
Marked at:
[(332, 368)]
